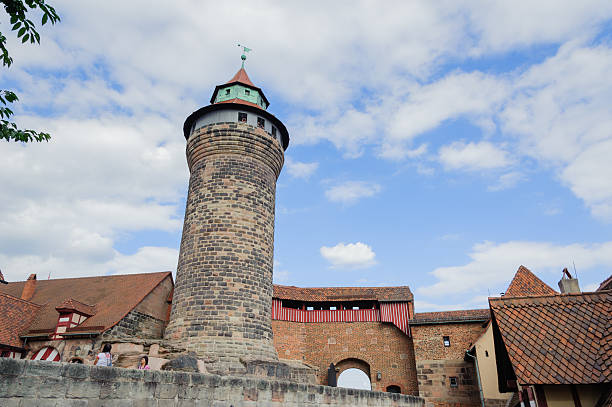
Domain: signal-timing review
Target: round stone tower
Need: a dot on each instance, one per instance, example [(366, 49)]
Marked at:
[(222, 301)]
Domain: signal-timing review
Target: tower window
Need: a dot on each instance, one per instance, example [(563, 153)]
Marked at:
[(261, 122), (446, 340), (227, 91), (453, 382), (247, 92), (242, 117), (486, 353), (274, 131)]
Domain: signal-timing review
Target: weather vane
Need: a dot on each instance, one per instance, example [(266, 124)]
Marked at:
[(244, 51)]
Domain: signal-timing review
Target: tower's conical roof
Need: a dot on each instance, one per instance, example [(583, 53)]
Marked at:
[(233, 93), (241, 77)]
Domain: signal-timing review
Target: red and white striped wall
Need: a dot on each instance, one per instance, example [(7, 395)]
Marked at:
[(47, 353), (396, 313)]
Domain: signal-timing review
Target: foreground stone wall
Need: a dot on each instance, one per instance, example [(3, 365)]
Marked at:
[(35, 383)]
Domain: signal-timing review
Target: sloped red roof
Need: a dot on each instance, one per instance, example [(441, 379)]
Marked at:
[(526, 283), (606, 284), (557, 339), (71, 304), (242, 77), (451, 316), (242, 102), (15, 315), (319, 294), (114, 297)]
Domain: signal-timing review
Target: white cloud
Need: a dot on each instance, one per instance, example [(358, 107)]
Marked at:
[(507, 180), (145, 260), (492, 265), (351, 191), (299, 169), (351, 255), (473, 156)]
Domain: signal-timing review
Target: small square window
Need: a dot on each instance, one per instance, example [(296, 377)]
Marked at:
[(274, 131), (453, 382), (227, 91), (309, 308), (261, 122), (242, 117), (446, 340), (355, 307), (247, 92), (332, 308)]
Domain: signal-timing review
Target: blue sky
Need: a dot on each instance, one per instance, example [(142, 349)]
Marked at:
[(438, 146)]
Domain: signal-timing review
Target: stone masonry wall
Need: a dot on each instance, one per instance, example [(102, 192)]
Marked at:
[(136, 325), (436, 363), (222, 299), (383, 347), (26, 383)]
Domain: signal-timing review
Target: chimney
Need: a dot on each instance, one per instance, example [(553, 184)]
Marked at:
[(29, 288), (568, 284)]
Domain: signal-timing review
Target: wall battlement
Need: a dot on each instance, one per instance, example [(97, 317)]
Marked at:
[(34, 383)]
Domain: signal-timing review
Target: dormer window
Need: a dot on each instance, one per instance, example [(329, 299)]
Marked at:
[(247, 92), (71, 314), (227, 91), (242, 117), (261, 122)]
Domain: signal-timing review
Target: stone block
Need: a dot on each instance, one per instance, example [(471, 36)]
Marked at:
[(43, 368), (128, 348), (75, 370), (11, 367), (77, 388)]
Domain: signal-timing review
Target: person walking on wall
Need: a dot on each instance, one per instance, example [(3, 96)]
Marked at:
[(104, 358)]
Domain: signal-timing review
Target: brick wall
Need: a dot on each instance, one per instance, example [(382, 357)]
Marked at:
[(436, 364), (36, 383), (383, 347), (223, 294)]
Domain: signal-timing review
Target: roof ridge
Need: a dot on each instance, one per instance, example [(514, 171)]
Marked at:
[(105, 276), (328, 287), (22, 300)]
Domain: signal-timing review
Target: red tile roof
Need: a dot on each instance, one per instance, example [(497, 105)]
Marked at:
[(606, 284), (320, 294), (451, 316), (71, 304), (20, 314), (242, 77), (113, 296), (242, 102), (526, 283), (557, 339)]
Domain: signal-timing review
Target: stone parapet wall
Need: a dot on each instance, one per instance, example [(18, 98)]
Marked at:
[(36, 383)]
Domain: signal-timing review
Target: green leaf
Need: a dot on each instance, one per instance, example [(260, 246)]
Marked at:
[(21, 32), (16, 26), (25, 38), (44, 19), (13, 19)]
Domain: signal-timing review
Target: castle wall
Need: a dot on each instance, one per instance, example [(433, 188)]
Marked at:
[(436, 363), (381, 346), (36, 383)]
